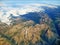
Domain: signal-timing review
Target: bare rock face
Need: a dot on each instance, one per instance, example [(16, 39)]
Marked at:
[(3, 27), (29, 33)]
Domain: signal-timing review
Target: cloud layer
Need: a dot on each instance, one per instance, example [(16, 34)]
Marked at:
[(5, 11)]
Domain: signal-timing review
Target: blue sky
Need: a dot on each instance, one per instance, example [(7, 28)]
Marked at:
[(14, 2)]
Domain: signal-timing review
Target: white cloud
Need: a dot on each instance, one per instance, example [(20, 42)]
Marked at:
[(20, 10), (47, 5), (4, 17), (27, 9)]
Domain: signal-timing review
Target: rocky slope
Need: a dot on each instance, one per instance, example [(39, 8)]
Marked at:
[(29, 32)]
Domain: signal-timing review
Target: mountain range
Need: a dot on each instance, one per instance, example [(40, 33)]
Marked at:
[(37, 25)]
